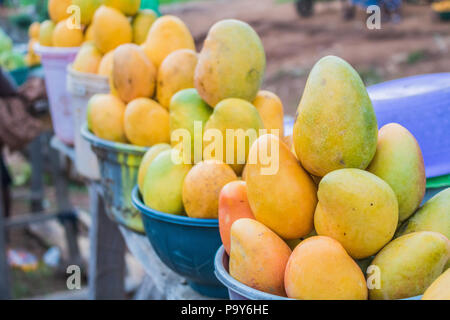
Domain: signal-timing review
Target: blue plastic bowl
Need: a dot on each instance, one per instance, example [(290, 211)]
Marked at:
[(238, 290), (186, 245), (119, 166), (19, 75)]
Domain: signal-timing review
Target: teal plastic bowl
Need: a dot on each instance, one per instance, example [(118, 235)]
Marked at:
[(20, 75), (186, 245)]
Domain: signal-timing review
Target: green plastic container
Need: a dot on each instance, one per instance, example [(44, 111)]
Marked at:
[(151, 4)]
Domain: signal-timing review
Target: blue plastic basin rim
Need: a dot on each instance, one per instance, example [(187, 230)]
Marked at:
[(167, 217), (110, 145)]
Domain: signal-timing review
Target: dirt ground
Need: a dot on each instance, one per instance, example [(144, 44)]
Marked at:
[(418, 44)]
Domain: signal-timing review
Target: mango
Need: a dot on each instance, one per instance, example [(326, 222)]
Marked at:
[(147, 159), (175, 73), (336, 125), (166, 35), (186, 107), (127, 7), (87, 9), (258, 257), (88, 58), (133, 75), (233, 205), (270, 109), (105, 66), (358, 209), (105, 114), (110, 29), (280, 192), (407, 266), (225, 69), (163, 185), (146, 122), (398, 161), (46, 33), (439, 289), (89, 33), (202, 187), (320, 269), (33, 30), (231, 114), (434, 215), (57, 9), (142, 23), (63, 36)]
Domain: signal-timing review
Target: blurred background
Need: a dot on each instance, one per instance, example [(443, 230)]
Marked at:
[(414, 38)]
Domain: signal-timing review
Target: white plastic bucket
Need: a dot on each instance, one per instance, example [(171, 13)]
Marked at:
[(82, 86), (54, 61)]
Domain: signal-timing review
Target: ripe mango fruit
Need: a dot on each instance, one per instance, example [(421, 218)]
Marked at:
[(105, 114), (231, 63), (233, 205), (110, 29), (148, 157), (166, 35), (407, 266), (270, 109), (141, 24), (258, 257), (231, 114), (175, 73), (57, 9), (46, 33), (186, 107), (163, 185), (336, 125), (133, 74), (439, 289), (127, 7), (106, 65), (146, 123), (87, 9), (33, 30), (358, 209), (398, 161), (320, 269), (201, 188), (63, 36), (434, 215), (88, 58), (282, 195)]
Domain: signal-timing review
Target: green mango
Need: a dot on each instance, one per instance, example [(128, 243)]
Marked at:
[(408, 265), (336, 126)]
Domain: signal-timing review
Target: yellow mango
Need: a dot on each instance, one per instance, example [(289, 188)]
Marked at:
[(270, 109), (87, 9), (110, 29), (105, 114), (358, 209), (175, 73), (398, 161), (439, 289), (57, 9), (133, 74), (407, 266), (146, 122), (320, 269), (202, 187), (46, 33), (231, 114), (163, 185), (336, 125), (106, 64), (142, 23), (166, 35), (127, 7), (33, 30), (149, 156), (63, 36), (280, 192), (87, 59), (258, 257), (231, 63)]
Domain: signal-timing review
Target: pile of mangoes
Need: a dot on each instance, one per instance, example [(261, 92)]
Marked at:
[(341, 218)]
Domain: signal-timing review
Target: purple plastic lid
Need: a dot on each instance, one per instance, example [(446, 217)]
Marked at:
[(422, 105)]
